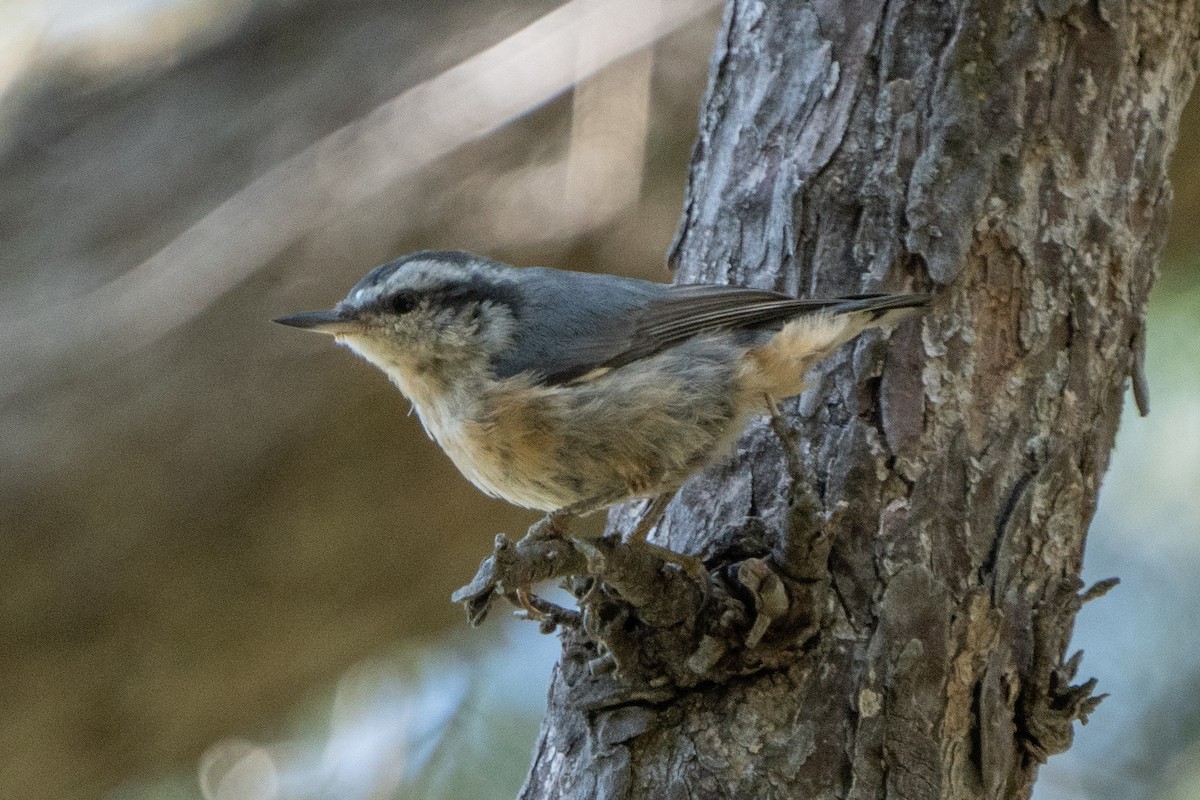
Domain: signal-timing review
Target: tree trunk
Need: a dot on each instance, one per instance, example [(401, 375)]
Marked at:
[(1013, 160)]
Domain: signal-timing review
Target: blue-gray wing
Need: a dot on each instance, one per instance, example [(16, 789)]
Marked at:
[(571, 323)]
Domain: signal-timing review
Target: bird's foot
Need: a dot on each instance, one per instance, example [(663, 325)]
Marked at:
[(693, 566), (513, 567), (549, 616), (552, 526)]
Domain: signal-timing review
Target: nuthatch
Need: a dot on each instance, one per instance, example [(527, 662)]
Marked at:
[(568, 392)]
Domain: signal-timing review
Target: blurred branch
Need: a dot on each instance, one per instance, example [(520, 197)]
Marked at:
[(599, 175), (344, 170)]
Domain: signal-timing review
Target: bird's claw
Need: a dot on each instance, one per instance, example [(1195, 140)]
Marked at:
[(512, 568), (692, 566)]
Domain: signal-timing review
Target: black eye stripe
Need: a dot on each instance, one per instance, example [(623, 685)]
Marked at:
[(472, 291), (476, 289), (402, 302)]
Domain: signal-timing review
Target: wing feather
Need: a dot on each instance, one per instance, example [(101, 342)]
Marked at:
[(575, 324), (688, 311)]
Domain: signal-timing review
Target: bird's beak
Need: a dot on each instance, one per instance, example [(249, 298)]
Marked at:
[(333, 321)]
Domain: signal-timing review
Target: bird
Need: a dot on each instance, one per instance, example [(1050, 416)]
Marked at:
[(569, 392)]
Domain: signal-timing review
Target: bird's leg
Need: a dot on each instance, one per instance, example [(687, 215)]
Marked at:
[(542, 553), (551, 526), (512, 568), (555, 524), (654, 512), (802, 478), (692, 565), (784, 433)]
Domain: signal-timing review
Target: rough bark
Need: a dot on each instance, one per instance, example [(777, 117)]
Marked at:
[(1011, 157)]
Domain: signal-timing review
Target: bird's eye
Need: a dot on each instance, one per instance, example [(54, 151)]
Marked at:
[(402, 302)]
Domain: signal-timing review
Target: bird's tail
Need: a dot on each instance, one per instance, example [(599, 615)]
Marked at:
[(777, 367), (865, 311)]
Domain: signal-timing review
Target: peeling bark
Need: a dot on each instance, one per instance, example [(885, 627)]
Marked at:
[(1012, 158)]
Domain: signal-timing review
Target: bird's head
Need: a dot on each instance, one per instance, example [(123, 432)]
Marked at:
[(429, 316)]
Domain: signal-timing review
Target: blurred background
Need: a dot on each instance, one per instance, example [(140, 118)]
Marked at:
[(225, 550)]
